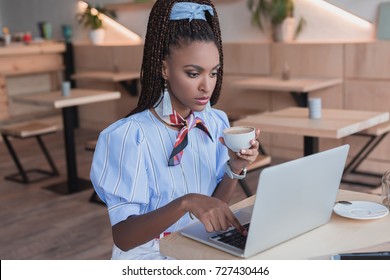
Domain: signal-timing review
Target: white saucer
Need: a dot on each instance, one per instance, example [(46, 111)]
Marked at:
[(362, 210)]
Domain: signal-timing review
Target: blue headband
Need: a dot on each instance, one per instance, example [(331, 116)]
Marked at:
[(184, 10)]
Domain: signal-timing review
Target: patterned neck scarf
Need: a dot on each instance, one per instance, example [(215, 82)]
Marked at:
[(184, 125)]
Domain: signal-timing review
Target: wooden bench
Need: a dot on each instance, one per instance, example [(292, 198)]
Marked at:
[(23, 131), (375, 134)]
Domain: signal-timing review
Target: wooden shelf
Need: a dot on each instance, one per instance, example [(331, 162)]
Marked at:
[(106, 76), (137, 6)]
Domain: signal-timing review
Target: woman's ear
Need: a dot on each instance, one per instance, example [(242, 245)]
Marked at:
[(164, 71)]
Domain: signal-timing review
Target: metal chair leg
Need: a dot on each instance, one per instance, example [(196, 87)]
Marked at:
[(22, 175), (22, 172), (364, 152), (47, 156)]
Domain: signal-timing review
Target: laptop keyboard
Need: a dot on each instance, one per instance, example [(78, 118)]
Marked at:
[(232, 237)]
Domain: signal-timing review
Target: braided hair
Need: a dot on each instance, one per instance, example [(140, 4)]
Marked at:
[(164, 34)]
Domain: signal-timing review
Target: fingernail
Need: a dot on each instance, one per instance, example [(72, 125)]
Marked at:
[(243, 151)]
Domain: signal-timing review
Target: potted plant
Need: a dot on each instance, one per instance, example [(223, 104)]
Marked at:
[(91, 18), (280, 13)]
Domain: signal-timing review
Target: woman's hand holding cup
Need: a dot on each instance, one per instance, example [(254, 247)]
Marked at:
[(242, 144)]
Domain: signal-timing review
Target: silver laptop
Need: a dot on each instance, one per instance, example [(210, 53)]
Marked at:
[(292, 198)]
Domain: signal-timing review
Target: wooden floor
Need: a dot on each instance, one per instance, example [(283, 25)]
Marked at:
[(37, 223)]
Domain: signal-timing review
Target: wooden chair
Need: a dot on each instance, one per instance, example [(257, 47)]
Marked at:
[(24, 131), (375, 134)]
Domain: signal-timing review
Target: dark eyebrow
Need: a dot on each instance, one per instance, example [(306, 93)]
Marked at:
[(199, 68)]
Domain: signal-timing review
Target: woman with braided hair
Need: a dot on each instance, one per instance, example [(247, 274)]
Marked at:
[(166, 163)]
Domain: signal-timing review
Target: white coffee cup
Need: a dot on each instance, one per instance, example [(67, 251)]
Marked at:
[(239, 137)]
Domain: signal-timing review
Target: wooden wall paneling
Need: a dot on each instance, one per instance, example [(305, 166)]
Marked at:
[(332, 97), (89, 57), (283, 152), (127, 58), (313, 60), (233, 99), (24, 85), (316, 60), (246, 58), (367, 60), (56, 80), (98, 116), (29, 64), (327, 143), (27, 84), (126, 103), (3, 99), (367, 95)]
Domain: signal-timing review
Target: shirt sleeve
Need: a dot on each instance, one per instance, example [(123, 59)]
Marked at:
[(118, 171)]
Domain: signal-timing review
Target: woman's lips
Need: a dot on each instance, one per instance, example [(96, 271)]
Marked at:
[(202, 101)]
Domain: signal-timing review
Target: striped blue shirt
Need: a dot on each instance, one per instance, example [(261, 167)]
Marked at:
[(130, 171)]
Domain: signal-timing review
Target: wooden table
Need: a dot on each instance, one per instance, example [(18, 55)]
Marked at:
[(339, 235), (335, 123), (299, 87), (120, 77), (67, 104)]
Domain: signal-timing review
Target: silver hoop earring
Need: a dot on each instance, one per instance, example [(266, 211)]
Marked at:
[(167, 104)]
